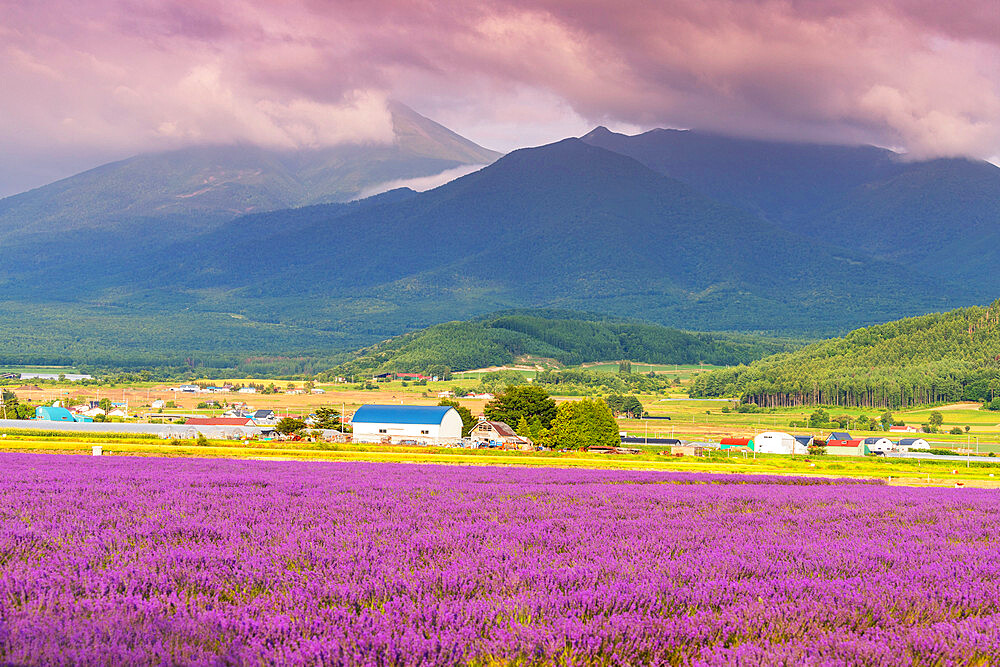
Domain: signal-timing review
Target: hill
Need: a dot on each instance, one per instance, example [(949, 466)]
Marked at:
[(567, 337), (937, 217), (933, 358)]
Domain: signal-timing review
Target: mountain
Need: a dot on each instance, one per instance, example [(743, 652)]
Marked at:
[(933, 358), (190, 190), (565, 336), (937, 217), (568, 225)]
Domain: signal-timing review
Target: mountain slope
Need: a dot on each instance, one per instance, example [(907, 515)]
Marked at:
[(567, 225), (939, 357), (938, 217), (198, 187)]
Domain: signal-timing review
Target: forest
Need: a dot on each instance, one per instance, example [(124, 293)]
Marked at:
[(934, 358), (566, 337)]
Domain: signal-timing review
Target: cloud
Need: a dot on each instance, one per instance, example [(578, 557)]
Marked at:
[(125, 75), (422, 183)]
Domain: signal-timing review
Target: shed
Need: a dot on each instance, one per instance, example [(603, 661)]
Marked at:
[(846, 450), (53, 414), (733, 443), (776, 442), (219, 421), (500, 433), (393, 423), (877, 444), (914, 443)]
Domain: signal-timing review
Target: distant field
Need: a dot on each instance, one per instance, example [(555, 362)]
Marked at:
[(37, 369)]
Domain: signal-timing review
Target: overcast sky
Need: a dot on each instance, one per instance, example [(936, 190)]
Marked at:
[(86, 81)]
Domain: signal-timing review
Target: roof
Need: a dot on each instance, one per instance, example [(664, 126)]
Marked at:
[(804, 439), (873, 440), (502, 428), (400, 414), (219, 421), (50, 413), (260, 414), (839, 436), (910, 441)]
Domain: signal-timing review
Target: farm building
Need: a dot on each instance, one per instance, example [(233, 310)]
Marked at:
[(877, 444), (219, 421), (53, 414), (688, 450), (774, 442), (838, 435), (392, 424), (902, 429), (914, 443), (736, 443), (845, 448), (499, 433), (805, 440)]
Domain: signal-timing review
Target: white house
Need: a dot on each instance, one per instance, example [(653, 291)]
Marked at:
[(392, 424), (774, 442), (902, 429), (247, 390), (158, 404)]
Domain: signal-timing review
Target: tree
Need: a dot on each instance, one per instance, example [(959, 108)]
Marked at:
[(632, 407), (616, 402), (105, 404), (887, 420), (936, 419), (522, 428), (582, 424), (202, 441), (289, 425), (468, 421), (624, 367), (523, 401), (327, 418), (956, 430), (819, 417)]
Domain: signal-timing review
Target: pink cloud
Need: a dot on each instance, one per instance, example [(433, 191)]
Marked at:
[(137, 75)]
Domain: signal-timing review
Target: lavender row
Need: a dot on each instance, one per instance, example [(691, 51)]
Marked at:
[(147, 561)]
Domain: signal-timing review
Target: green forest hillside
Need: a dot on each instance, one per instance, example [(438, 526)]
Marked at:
[(567, 337), (940, 357)]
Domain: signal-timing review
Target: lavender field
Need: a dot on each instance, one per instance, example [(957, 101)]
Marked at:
[(118, 560)]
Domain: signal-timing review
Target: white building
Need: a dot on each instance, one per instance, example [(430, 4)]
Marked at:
[(914, 443), (393, 424), (877, 444), (774, 442)]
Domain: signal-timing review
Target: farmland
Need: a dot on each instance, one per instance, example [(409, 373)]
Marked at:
[(142, 561)]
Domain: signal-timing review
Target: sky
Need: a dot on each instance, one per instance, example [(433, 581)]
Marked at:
[(83, 82)]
